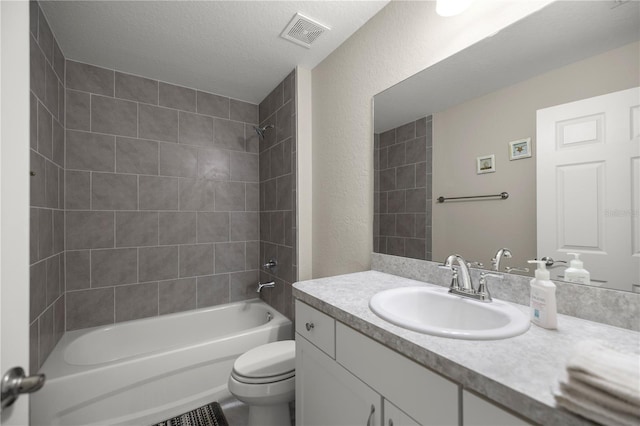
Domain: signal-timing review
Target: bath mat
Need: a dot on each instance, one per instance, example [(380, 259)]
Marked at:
[(208, 415)]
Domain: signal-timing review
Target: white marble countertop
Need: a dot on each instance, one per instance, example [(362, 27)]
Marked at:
[(518, 373)]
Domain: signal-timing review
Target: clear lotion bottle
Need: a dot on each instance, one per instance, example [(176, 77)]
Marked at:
[(543, 298)]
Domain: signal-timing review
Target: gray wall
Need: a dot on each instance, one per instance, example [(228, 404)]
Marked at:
[(277, 193), (402, 190), (47, 302), (161, 198)]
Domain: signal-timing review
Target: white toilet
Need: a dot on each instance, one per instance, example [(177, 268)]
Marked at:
[(264, 378)]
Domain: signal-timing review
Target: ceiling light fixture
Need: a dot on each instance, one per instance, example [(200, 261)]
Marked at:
[(452, 7)]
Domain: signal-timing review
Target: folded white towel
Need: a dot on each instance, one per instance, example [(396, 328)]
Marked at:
[(594, 412), (602, 384), (607, 369)]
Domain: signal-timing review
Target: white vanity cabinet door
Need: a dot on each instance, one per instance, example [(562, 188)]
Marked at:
[(393, 416), (477, 411), (424, 395), (328, 395)]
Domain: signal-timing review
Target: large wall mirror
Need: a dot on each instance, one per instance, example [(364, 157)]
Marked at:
[(547, 111)]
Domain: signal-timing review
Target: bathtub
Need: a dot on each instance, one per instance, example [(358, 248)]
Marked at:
[(145, 371)]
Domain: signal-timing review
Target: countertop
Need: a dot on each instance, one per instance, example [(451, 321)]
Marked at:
[(518, 373)]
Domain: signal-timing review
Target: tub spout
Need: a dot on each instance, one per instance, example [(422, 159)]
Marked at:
[(270, 284)]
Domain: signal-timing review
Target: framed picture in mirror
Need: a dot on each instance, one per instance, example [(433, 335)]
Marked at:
[(520, 149)]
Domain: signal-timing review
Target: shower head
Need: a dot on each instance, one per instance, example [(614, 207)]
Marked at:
[(260, 130)]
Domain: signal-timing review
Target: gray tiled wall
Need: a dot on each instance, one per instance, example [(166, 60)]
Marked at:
[(402, 190), (47, 303), (162, 201), (278, 194)]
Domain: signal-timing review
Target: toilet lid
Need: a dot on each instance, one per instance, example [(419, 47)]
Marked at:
[(272, 360)]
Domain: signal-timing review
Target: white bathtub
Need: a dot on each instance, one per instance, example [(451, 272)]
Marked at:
[(145, 371)]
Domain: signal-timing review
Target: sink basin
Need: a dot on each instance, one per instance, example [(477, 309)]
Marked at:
[(435, 311)]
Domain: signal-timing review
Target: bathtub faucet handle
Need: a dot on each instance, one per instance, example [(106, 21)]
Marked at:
[(272, 263), (270, 284)]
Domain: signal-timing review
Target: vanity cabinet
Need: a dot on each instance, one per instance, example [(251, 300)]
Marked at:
[(363, 382), (480, 412)]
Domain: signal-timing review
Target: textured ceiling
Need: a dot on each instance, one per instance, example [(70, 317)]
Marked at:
[(232, 48)]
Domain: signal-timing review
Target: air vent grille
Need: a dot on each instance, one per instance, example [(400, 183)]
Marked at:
[(303, 31)]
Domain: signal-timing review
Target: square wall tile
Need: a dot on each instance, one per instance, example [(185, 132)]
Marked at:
[(245, 226), (244, 111), (229, 257), (177, 295), (37, 188), (244, 167), (197, 195), (243, 285), (37, 66), (45, 132), (114, 267), (158, 193), (177, 228), (213, 227), (78, 110), (90, 308), (136, 301), (78, 266), (157, 263), (210, 104), (87, 229), (137, 156), (89, 151), (78, 190), (195, 129), (114, 191), (136, 88), (37, 289), (212, 290), (228, 135), (158, 123), (136, 229), (89, 78), (114, 116), (213, 164), (45, 233), (177, 97), (229, 196), (53, 279), (178, 160), (196, 259)]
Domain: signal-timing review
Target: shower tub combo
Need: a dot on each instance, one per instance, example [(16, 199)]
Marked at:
[(148, 370)]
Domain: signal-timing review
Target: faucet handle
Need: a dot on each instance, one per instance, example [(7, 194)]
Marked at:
[(454, 281), (475, 265), (483, 289)]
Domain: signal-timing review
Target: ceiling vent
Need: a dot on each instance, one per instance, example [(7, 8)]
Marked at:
[(303, 31)]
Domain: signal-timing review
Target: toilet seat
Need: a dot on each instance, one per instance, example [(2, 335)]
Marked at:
[(268, 363)]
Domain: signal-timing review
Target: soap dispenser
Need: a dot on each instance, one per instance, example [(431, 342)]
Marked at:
[(576, 273), (543, 298)]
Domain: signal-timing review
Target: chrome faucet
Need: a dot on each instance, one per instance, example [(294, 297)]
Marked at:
[(466, 288), (503, 252), (269, 284), (464, 272)]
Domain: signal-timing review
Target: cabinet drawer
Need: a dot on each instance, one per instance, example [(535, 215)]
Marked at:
[(316, 327), (427, 397)]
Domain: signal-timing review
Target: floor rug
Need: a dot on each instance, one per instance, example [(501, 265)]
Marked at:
[(208, 415)]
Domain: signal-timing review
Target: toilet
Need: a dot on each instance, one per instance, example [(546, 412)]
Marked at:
[(264, 378)]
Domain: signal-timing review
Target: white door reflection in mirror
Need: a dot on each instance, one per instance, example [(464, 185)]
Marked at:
[(588, 186)]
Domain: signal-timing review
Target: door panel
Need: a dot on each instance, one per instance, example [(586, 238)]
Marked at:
[(587, 186)]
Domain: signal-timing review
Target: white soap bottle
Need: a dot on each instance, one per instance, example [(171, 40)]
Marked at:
[(543, 298), (576, 273)]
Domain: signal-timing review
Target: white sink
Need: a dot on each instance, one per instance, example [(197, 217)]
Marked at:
[(435, 311)]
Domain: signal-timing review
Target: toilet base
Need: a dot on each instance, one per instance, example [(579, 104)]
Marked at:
[(269, 415)]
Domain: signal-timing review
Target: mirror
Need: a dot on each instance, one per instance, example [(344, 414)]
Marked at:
[(467, 126)]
